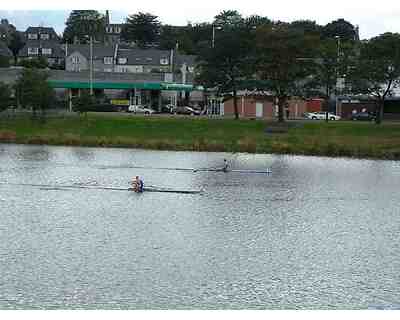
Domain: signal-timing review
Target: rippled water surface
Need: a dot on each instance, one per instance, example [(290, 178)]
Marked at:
[(316, 233)]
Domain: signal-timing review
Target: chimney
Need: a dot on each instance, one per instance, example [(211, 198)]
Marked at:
[(107, 18)]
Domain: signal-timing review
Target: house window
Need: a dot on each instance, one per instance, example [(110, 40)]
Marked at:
[(75, 59), (118, 30), (32, 36), (46, 51), (164, 61), (108, 60), (149, 59), (45, 36), (33, 51), (122, 60), (107, 70)]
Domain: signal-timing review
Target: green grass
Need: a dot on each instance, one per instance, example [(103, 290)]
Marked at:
[(363, 140)]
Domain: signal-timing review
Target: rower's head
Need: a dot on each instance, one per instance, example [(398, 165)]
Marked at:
[(224, 160), (137, 177)]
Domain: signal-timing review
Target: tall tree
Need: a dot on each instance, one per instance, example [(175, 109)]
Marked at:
[(84, 103), (282, 55), (4, 62), (377, 71), (223, 66), (15, 44), (340, 28), (307, 27), (142, 28), (83, 24), (34, 91), (230, 18), (5, 96)]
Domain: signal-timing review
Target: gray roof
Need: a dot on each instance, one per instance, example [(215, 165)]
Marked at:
[(4, 51), (143, 56), (49, 30), (99, 50), (57, 51)]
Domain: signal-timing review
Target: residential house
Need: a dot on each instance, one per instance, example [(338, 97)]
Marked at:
[(143, 60), (41, 33), (42, 42), (78, 58)]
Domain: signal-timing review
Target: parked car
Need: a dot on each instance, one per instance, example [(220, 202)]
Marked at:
[(167, 108), (140, 109), (363, 116), (321, 116), (186, 110)]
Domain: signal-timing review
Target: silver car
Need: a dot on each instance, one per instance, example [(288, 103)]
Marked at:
[(140, 109), (321, 116)]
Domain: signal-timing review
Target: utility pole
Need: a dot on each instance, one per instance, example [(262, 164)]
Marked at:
[(213, 36), (91, 65), (337, 73)]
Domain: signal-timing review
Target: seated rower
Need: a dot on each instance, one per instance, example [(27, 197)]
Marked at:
[(137, 184), (226, 166)]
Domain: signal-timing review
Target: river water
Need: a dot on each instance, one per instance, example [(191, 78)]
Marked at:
[(316, 233)]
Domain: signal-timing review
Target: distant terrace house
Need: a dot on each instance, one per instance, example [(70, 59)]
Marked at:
[(175, 68), (78, 58), (143, 61), (42, 42), (144, 65)]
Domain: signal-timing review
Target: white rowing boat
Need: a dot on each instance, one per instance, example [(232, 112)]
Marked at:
[(266, 171), (66, 187), (148, 189)]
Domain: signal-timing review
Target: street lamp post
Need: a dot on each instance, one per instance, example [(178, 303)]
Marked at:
[(91, 65), (213, 34), (337, 74)]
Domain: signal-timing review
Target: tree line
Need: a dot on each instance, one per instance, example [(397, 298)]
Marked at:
[(234, 52)]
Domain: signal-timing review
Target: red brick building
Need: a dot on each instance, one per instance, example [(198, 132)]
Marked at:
[(263, 106)]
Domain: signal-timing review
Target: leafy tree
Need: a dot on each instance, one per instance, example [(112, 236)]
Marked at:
[(181, 38), (281, 53), (34, 63), (83, 24), (5, 96), (15, 44), (340, 28), (34, 91), (230, 18), (223, 66), (377, 71), (142, 28), (4, 62), (307, 27), (84, 103), (255, 21)]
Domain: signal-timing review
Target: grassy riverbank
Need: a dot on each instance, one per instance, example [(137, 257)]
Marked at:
[(353, 139)]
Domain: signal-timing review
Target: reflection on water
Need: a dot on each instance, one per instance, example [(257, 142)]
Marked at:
[(317, 233)]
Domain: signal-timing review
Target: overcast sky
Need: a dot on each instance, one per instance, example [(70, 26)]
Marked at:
[(373, 17)]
